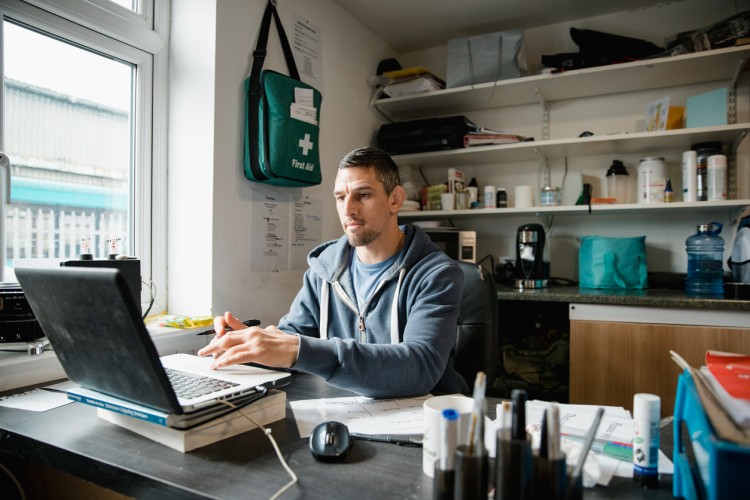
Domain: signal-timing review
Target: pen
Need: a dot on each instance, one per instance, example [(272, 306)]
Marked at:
[(589, 440), (405, 440), (476, 427), (449, 438), (249, 322)]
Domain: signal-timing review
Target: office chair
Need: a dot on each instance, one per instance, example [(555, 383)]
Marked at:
[(477, 335)]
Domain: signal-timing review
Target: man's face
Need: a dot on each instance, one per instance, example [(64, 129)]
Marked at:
[(364, 207)]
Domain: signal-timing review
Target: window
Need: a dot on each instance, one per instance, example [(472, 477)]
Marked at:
[(82, 123)]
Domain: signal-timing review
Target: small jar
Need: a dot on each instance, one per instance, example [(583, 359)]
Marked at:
[(549, 197), (501, 198), (490, 197)]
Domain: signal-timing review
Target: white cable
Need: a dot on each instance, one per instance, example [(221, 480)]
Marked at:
[(267, 432), (15, 480)]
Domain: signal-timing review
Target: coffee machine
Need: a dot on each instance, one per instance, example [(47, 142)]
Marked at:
[(532, 270)]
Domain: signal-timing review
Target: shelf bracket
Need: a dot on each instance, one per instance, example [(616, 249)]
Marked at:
[(732, 97), (377, 94), (545, 114), (546, 175)]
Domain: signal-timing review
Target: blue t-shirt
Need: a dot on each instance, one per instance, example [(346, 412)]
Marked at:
[(366, 277)]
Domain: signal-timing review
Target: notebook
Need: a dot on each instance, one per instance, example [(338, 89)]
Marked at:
[(95, 327)]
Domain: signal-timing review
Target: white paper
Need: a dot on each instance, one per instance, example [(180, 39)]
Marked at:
[(361, 415), (35, 400), (307, 230), (303, 113), (269, 246), (575, 420), (306, 48)]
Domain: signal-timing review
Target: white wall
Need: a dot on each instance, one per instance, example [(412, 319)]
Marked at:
[(210, 200)]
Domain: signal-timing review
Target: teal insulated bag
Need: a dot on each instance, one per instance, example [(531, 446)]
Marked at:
[(613, 263), (282, 117)]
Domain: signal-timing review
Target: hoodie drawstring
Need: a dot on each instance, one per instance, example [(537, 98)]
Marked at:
[(324, 310), (324, 293), (394, 309)]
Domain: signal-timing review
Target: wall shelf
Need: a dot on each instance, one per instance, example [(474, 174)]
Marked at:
[(732, 206), (699, 67), (628, 143)]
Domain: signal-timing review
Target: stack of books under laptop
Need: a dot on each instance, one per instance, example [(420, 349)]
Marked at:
[(187, 432)]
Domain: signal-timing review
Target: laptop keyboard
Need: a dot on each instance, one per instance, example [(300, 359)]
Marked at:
[(190, 386)]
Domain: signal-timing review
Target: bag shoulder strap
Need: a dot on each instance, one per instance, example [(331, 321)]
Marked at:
[(259, 54), (253, 94)]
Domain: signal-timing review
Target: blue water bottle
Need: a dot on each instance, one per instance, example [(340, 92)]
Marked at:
[(705, 252)]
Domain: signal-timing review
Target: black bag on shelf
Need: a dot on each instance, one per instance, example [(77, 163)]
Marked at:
[(431, 134)]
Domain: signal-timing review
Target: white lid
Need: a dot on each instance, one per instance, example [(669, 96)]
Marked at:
[(647, 406)]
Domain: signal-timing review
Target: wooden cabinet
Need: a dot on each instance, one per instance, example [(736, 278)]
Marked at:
[(610, 361)]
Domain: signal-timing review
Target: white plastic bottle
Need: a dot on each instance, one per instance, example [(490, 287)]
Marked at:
[(689, 176), (646, 415), (717, 178), (652, 179)]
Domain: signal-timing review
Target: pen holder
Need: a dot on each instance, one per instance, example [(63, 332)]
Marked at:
[(442, 483), (472, 475), (514, 469), (574, 487), (550, 479)]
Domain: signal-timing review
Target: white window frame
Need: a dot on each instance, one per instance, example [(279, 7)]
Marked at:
[(142, 40)]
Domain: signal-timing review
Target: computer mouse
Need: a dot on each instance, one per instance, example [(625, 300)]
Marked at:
[(330, 441)]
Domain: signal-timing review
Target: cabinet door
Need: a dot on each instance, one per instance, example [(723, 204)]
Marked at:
[(610, 362)]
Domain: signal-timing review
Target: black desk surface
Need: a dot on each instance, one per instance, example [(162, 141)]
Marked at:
[(74, 440)]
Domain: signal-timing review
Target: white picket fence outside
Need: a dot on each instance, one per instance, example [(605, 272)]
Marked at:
[(59, 234)]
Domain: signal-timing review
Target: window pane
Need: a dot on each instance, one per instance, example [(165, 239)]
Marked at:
[(68, 134), (128, 4)]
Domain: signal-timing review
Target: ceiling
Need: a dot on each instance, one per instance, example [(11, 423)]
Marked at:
[(409, 25)]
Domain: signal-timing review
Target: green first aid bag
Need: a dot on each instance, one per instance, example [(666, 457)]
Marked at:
[(281, 119), (613, 263)]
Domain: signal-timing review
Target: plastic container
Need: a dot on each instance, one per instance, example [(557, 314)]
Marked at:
[(489, 200), (617, 182), (549, 197), (689, 176), (705, 466), (703, 150), (502, 198), (652, 179), (705, 253), (716, 178)]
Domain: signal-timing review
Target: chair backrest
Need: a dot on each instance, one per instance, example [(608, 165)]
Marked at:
[(477, 334)]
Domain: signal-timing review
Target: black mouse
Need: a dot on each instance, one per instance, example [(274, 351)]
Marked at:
[(330, 441)]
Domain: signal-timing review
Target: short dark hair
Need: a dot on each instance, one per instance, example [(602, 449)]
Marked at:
[(386, 170)]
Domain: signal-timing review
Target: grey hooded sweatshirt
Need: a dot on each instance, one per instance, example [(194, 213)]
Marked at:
[(402, 343)]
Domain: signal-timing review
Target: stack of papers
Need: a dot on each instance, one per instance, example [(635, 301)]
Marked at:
[(729, 377), (362, 415), (728, 412), (410, 81)]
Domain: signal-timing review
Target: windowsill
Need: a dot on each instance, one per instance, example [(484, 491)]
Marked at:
[(18, 369)]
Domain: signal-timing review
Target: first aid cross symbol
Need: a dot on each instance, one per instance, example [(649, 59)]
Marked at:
[(305, 144)]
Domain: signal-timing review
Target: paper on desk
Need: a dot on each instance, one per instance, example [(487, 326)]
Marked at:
[(361, 415), (575, 420), (38, 399)]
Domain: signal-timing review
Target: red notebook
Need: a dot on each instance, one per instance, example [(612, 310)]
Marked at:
[(732, 371)]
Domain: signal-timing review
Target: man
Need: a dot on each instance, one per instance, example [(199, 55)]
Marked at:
[(378, 308)]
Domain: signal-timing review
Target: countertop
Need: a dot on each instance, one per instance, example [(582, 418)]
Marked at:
[(654, 297)]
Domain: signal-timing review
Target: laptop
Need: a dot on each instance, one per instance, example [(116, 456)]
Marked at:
[(94, 325)]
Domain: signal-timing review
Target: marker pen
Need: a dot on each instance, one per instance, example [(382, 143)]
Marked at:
[(514, 462)]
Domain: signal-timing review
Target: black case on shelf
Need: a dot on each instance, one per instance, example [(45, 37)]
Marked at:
[(431, 134)]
